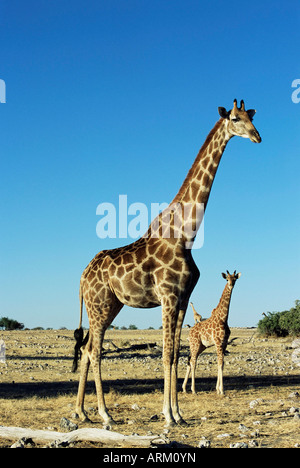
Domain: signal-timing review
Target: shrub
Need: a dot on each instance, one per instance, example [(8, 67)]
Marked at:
[(290, 320), (10, 324), (281, 323), (269, 325)]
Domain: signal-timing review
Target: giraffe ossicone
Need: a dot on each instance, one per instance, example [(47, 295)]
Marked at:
[(154, 271)]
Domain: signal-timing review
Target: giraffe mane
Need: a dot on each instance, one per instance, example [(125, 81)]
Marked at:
[(186, 181)]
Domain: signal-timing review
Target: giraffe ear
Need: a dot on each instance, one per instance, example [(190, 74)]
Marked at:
[(224, 275), (251, 113), (238, 275), (223, 112)]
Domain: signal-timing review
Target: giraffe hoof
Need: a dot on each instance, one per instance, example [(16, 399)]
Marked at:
[(169, 424), (109, 424), (82, 416), (182, 422), (85, 419)]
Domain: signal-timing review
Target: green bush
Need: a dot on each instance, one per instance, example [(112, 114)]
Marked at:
[(290, 320), (281, 323), (10, 324)]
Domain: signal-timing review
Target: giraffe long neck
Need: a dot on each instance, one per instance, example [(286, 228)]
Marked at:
[(182, 218), (222, 310), (198, 182)]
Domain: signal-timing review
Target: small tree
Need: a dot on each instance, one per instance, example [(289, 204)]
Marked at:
[(289, 321), (281, 323), (269, 325), (10, 324)]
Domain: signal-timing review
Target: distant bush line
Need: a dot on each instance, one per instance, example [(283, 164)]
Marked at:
[(273, 324), (281, 323), (11, 324)]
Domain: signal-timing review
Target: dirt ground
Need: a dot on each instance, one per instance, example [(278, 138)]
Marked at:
[(260, 405)]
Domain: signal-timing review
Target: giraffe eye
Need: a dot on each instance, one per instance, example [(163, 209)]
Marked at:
[(235, 119)]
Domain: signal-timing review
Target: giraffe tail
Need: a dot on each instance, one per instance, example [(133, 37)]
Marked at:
[(78, 335)]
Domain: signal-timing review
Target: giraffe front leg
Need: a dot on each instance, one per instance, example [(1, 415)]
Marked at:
[(169, 321), (219, 387), (167, 411), (174, 394)]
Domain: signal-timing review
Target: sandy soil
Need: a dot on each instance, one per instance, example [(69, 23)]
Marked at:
[(260, 405)]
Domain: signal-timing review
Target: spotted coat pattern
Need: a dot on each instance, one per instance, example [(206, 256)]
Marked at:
[(213, 331), (157, 269)]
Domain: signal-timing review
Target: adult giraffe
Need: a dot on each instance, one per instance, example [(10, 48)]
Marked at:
[(157, 269)]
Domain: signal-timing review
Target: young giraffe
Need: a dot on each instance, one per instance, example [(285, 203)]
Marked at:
[(215, 331), (197, 317), (157, 269)]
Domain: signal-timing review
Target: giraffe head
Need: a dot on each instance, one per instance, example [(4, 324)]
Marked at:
[(240, 122), (231, 279)]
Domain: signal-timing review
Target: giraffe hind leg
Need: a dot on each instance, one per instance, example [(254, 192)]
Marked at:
[(101, 310), (99, 325), (186, 378), (80, 341), (84, 369)]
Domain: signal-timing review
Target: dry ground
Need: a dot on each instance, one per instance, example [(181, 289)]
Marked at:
[(37, 388)]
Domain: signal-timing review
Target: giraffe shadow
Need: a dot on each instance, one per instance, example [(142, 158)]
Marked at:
[(140, 386), (248, 381)]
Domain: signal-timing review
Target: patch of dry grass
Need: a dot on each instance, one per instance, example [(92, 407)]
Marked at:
[(37, 388)]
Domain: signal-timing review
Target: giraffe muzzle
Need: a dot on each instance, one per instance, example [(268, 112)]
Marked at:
[(255, 137)]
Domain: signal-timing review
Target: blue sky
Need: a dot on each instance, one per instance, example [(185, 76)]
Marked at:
[(116, 97)]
